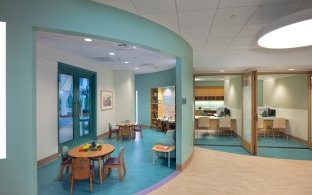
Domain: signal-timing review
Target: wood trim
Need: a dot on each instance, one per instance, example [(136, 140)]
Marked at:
[(47, 160), (246, 146), (186, 163), (309, 110), (102, 135)]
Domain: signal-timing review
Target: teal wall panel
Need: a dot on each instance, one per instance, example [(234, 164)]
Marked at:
[(143, 84), (76, 17)]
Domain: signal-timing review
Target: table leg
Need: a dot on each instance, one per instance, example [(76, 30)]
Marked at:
[(154, 153), (168, 159), (100, 169)]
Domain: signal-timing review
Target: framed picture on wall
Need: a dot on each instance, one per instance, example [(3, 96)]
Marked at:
[(106, 100)]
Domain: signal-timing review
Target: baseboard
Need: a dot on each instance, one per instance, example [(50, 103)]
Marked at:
[(47, 160), (186, 163), (102, 135)]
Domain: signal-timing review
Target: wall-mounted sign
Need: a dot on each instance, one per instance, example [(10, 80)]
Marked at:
[(3, 90)]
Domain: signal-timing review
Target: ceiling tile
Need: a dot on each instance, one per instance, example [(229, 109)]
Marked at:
[(120, 4), (238, 3), (250, 30), (218, 43), (225, 31), (187, 5), (281, 1), (233, 16), (154, 6), (168, 20), (269, 13), (195, 32), (242, 43), (202, 18)]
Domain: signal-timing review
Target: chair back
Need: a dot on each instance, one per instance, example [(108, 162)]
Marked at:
[(203, 122), (159, 125), (109, 126), (121, 154), (260, 123), (64, 153), (279, 123), (81, 168), (225, 122), (125, 131), (138, 127), (167, 125)]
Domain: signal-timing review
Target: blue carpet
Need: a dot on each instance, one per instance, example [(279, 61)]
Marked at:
[(279, 142), (141, 173), (218, 140)]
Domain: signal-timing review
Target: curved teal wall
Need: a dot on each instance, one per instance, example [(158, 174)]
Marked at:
[(83, 17)]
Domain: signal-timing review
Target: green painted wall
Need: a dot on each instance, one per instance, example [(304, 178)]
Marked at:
[(81, 17), (144, 83), (260, 92), (289, 92)]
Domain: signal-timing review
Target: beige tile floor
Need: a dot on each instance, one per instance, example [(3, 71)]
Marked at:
[(215, 172)]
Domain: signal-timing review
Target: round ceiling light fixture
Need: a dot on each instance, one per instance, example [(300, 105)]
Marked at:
[(291, 31)]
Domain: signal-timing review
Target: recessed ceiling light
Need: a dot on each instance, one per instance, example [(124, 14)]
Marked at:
[(126, 62), (223, 70), (136, 68), (291, 69), (88, 39), (291, 31), (111, 53)]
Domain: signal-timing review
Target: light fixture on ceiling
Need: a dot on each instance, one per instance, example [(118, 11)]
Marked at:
[(126, 62), (88, 39), (291, 69), (136, 68), (291, 31), (111, 53)]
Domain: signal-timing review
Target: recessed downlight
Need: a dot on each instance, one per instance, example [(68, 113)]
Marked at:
[(291, 69), (126, 62), (136, 68), (111, 53), (88, 39)]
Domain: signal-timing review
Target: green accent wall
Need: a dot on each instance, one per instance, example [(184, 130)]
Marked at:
[(260, 92), (143, 84), (75, 17)]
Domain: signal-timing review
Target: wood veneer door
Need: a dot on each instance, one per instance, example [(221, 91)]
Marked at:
[(249, 136)]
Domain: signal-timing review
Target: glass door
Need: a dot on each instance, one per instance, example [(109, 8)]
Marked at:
[(76, 105), (249, 140)]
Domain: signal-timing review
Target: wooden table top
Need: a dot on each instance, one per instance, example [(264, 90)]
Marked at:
[(162, 148), (128, 124), (106, 149)]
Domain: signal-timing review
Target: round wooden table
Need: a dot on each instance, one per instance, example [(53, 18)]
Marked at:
[(106, 150)]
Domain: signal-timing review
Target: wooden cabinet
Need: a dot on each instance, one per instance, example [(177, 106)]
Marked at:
[(209, 93), (154, 107)]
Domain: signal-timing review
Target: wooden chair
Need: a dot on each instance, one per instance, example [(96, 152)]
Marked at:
[(225, 124), (159, 125), (203, 124), (111, 131), (138, 128), (167, 125), (279, 124), (260, 126), (66, 162), (116, 162), (81, 170), (125, 132)]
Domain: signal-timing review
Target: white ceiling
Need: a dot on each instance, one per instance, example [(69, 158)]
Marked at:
[(140, 60), (219, 31)]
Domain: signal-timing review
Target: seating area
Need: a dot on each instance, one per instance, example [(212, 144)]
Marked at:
[(133, 172)]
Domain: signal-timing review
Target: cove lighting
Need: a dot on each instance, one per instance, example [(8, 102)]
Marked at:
[(291, 31), (3, 90)]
